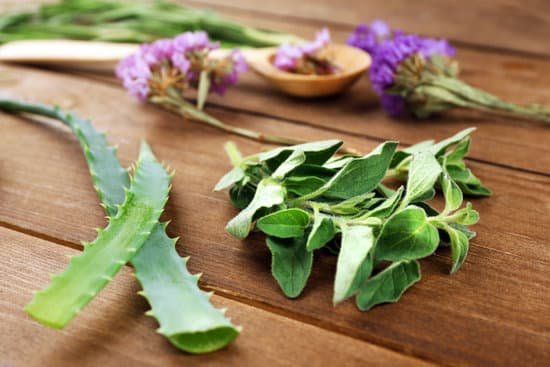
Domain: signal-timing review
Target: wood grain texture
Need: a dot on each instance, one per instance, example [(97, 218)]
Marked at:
[(493, 312), (113, 329), (506, 24), (507, 141)]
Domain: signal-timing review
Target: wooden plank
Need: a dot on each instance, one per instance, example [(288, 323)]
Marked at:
[(494, 311), (503, 140), (506, 141), (113, 329), (506, 24)]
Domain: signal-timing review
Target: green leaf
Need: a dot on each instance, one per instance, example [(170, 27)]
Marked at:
[(443, 145), (352, 205), (268, 193), (388, 206), (301, 186), (401, 154), (451, 192), (230, 178), (203, 89), (467, 181), (284, 223), (466, 216), (316, 152), (241, 195), (407, 235), (294, 160), (357, 241), (423, 173), (456, 156), (87, 273), (290, 264), (462, 228), (184, 312), (361, 175), (427, 196), (459, 247), (388, 285), (339, 162), (322, 232)]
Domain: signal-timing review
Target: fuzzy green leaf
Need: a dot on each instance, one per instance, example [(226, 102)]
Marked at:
[(230, 178), (357, 241), (322, 232), (301, 186), (423, 173), (295, 159), (451, 192), (286, 223), (290, 264), (316, 153), (388, 206), (466, 216), (459, 247), (407, 235), (241, 195), (361, 175), (441, 146), (90, 271), (388, 285), (269, 193)]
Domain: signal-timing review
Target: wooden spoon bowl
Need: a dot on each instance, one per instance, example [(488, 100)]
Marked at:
[(353, 63)]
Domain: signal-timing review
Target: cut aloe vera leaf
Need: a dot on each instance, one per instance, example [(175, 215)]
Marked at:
[(88, 272), (179, 301)]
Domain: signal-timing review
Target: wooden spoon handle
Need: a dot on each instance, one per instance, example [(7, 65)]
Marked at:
[(65, 52)]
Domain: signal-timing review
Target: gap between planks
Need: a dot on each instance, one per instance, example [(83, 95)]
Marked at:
[(141, 328), (231, 9), (234, 296), (110, 81)]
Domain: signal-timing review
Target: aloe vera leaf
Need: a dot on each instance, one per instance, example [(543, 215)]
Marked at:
[(91, 270), (183, 311)]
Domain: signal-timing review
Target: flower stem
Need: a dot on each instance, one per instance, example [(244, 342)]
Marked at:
[(177, 104), (463, 95)]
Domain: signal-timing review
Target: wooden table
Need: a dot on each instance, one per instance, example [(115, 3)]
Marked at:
[(493, 312)]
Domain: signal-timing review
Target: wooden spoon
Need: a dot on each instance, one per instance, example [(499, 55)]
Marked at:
[(104, 55), (352, 62)]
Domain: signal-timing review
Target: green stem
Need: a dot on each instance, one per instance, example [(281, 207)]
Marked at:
[(471, 97), (177, 104)]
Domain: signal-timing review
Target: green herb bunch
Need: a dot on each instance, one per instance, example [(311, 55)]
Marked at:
[(129, 21), (304, 199)]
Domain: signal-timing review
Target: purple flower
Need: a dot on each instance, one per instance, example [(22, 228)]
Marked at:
[(288, 56), (367, 37), (230, 75), (163, 60), (390, 54), (193, 41), (135, 73)]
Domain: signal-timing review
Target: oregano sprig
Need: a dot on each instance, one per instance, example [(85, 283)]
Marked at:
[(304, 198)]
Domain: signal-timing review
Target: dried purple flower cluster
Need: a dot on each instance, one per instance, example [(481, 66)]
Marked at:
[(178, 62), (289, 57), (389, 49), (368, 36)]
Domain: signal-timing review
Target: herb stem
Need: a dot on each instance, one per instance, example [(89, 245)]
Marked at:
[(173, 102), (464, 95)]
